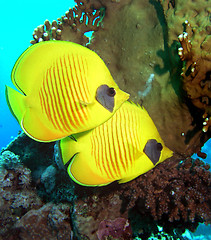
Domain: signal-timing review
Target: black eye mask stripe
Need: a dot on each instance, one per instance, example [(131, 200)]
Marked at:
[(153, 150), (105, 96)]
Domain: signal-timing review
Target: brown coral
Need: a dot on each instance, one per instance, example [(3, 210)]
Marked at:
[(145, 43), (23, 214), (17, 197), (197, 71), (49, 222), (118, 229), (176, 193), (190, 21)]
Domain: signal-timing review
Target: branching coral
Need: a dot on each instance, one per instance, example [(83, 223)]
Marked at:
[(177, 194), (71, 27)]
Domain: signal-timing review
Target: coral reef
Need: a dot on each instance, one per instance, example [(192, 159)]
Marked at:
[(48, 178), (138, 40), (53, 183), (16, 192), (48, 222), (90, 212), (181, 196), (197, 71), (12, 160), (28, 149), (71, 27), (134, 49), (174, 196), (190, 22), (118, 228), (23, 214)]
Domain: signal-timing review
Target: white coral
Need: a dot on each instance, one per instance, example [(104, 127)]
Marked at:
[(148, 86)]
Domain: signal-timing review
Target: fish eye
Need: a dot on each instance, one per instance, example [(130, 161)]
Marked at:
[(111, 92), (159, 147), (105, 96)]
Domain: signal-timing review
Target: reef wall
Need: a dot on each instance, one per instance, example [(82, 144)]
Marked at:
[(139, 38)]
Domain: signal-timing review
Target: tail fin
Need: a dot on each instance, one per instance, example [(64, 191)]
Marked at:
[(15, 101)]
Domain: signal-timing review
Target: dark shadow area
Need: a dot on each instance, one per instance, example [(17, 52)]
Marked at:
[(169, 56)]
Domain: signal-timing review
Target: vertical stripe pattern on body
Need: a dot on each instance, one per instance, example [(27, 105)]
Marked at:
[(63, 91), (115, 144)]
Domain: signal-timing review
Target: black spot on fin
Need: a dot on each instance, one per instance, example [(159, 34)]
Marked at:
[(105, 96), (153, 150)]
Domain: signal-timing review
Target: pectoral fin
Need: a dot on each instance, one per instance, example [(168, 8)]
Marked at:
[(86, 103)]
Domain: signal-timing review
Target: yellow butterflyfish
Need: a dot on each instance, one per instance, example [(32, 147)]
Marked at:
[(66, 89), (124, 147)]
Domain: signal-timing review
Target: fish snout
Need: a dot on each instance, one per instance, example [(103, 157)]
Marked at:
[(120, 97)]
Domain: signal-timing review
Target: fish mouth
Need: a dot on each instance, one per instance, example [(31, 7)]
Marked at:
[(121, 97)]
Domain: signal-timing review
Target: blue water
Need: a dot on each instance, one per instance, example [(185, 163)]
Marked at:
[(19, 19), (206, 149)]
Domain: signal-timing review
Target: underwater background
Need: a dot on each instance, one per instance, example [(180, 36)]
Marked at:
[(21, 20)]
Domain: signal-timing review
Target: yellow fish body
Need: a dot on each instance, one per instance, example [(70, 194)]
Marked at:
[(124, 147), (66, 89)]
